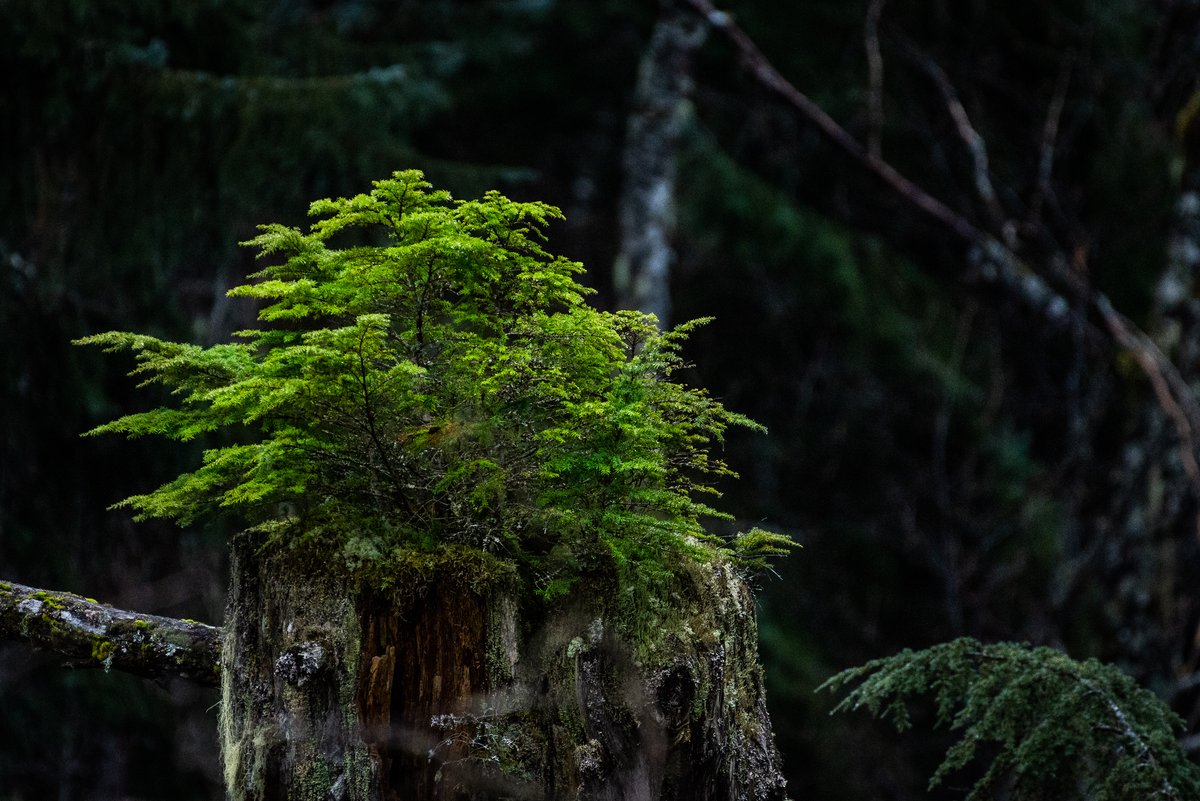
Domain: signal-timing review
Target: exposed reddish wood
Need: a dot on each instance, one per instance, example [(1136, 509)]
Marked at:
[(423, 672)]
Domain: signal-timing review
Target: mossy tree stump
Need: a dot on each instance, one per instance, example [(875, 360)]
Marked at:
[(337, 690), (475, 563)]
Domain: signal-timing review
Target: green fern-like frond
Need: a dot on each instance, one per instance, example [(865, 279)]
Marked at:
[(753, 550), (441, 382), (1058, 728)]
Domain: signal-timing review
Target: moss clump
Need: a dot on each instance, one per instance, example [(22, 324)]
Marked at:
[(103, 649), (49, 599), (463, 565)]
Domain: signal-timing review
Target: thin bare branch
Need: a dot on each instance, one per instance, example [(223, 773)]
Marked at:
[(1045, 189), (974, 142), (990, 260), (766, 74), (1173, 394), (874, 79)]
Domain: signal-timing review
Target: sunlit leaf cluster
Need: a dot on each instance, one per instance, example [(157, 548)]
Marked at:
[(437, 378)]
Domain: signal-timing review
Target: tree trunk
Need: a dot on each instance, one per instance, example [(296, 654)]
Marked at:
[(1152, 521), (444, 686), (642, 271)]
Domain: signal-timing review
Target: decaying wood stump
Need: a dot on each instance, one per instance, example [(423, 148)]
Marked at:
[(452, 689)]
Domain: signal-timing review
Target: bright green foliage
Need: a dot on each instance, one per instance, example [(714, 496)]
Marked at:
[(1057, 728), (755, 548), (439, 381)]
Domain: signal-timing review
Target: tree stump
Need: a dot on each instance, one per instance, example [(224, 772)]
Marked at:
[(336, 689)]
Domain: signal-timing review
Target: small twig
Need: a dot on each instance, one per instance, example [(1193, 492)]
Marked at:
[(974, 142), (874, 79), (1045, 188), (1173, 394)]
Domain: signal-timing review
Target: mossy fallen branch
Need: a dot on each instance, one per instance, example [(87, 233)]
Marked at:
[(1058, 728), (90, 634)]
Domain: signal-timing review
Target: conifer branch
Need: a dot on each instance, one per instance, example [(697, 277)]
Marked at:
[(1058, 725), (90, 634), (524, 415)]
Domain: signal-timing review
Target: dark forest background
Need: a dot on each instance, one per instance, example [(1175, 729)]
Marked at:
[(984, 430)]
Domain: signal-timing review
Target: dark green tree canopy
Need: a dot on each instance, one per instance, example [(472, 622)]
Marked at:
[(439, 381)]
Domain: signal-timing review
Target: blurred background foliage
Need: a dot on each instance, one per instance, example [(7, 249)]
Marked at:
[(952, 461)]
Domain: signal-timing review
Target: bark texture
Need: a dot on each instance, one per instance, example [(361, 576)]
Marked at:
[(289, 730), (1152, 522), (449, 688), (90, 634)]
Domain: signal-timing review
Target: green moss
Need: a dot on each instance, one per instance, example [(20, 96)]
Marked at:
[(317, 780), (47, 624), (411, 571), (176, 638), (102, 649), (569, 715), (676, 608), (49, 599)]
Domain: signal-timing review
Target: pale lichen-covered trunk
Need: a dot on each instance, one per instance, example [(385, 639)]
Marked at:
[(1151, 519), (336, 690), (642, 270)]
